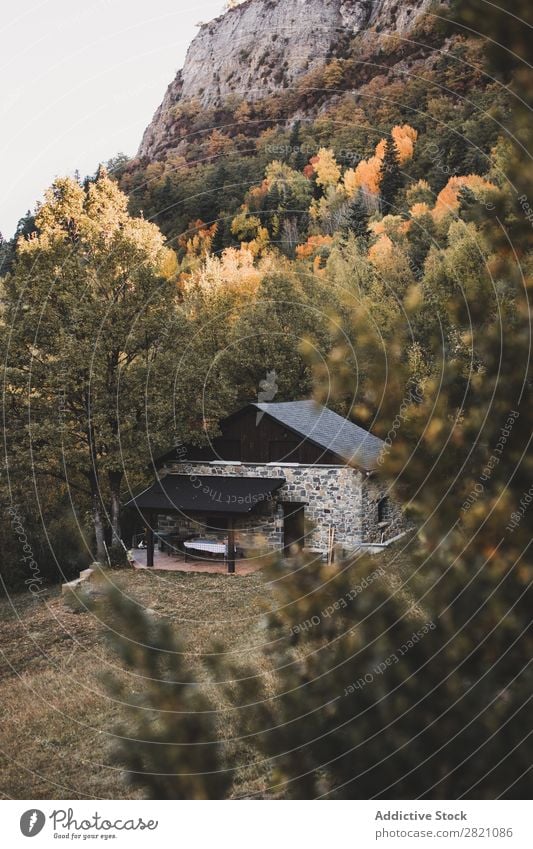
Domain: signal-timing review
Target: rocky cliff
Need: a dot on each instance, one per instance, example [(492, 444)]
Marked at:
[(263, 46)]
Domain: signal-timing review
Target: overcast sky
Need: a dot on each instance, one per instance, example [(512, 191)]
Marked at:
[(81, 79)]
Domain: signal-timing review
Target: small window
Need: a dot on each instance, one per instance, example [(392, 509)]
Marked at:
[(383, 505)]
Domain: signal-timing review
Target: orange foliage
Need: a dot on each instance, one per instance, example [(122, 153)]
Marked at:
[(382, 249), (364, 176), (313, 244), (448, 199), (367, 173), (256, 196), (404, 139), (377, 227), (380, 149), (218, 144), (198, 238), (419, 209)]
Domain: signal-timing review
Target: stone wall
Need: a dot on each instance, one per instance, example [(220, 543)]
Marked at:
[(263, 528), (332, 494), (392, 518)]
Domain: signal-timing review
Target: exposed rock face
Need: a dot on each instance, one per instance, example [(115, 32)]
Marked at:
[(263, 46)]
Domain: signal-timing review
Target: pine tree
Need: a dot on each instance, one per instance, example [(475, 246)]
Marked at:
[(168, 738), (356, 218), (298, 159), (391, 179)]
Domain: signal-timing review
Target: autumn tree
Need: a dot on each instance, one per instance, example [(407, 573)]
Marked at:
[(91, 317)]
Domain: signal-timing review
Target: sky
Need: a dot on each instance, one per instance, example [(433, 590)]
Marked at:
[(81, 80)]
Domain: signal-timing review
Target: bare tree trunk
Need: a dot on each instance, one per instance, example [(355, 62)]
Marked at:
[(115, 479), (98, 529)]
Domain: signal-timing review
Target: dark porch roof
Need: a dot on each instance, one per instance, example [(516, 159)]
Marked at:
[(206, 494)]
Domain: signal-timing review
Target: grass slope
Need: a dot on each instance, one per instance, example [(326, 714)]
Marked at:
[(56, 735)]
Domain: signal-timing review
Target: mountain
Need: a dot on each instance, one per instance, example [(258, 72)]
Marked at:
[(282, 112), (262, 48)]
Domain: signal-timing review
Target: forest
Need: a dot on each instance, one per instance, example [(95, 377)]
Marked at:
[(376, 255)]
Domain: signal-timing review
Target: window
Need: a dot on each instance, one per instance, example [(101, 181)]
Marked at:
[(383, 504)]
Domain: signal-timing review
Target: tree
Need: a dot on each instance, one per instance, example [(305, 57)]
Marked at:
[(268, 334), (287, 200), (298, 158), (168, 717), (88, 316), (326, 168), (410, 675), (391, 179), (420, 236), (357, 217)]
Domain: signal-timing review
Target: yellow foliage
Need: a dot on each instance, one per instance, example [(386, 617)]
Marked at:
[(243, 112), (390, 225), (326, 168), (333, 73), (235, 270), (419, 209), (318, 267), (258, 246), (168, 266)]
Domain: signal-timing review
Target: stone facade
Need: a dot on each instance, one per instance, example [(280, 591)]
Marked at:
[(334, 496)]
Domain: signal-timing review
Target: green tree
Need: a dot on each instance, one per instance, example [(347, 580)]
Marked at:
[(89, 317), (357, 217), (410, 675), (391, 178), (168, 740)]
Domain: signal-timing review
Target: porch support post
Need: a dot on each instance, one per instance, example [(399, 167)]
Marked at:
[(149, 542), (231, 546)]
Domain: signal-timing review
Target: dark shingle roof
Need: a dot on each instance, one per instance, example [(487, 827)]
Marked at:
[(328, 430)]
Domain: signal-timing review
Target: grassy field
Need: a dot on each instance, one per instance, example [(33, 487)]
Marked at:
[(56, 735)]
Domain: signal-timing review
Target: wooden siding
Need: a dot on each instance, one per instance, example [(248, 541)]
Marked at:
[(245, 439)]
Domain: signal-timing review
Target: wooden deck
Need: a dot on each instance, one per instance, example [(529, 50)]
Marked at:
[(176, 563)]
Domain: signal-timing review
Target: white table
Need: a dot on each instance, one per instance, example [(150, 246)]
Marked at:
[(207, 545)]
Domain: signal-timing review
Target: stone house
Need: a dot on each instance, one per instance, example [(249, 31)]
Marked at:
[(279, 475)]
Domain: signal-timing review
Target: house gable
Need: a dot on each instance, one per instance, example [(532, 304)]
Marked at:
[(254, 436)]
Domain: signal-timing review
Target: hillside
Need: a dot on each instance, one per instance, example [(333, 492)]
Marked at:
[(69, 723)]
